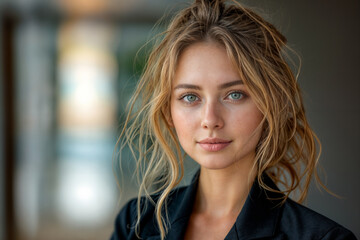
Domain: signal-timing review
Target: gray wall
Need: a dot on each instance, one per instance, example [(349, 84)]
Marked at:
[(327, 36), (2, 180), (2, 190)]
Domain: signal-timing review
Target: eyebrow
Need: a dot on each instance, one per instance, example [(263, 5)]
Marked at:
[(222, 86), (230, 84), (187, 86)]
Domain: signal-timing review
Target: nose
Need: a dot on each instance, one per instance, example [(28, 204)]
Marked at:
[(211, 116)]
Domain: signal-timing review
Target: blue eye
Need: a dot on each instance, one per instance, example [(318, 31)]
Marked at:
[(190, 98), (236, 95)]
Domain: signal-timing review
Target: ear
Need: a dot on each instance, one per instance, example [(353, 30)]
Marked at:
[(169, 120), (167, 117)]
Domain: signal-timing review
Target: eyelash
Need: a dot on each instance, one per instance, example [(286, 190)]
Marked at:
[(243, 95), (182, 97)]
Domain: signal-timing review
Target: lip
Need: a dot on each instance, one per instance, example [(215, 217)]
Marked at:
[(214, 144)]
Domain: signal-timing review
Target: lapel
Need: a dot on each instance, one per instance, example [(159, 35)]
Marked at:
[(260, 215), (258, 218), (180, 204)]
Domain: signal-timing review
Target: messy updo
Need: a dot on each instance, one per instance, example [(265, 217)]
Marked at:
[(287, 149)]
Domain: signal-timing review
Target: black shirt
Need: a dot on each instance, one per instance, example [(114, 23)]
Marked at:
[(262, 217)]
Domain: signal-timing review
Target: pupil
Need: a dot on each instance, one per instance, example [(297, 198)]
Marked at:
[(236, 95), (191, 98)]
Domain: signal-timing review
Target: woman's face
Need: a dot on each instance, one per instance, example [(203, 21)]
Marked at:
[(215, 118)]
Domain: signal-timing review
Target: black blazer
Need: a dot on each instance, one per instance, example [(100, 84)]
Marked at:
[(262, 217)]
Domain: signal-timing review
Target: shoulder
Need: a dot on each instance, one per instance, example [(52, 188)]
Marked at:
[(126, 219), (125, 223), (298, 220)]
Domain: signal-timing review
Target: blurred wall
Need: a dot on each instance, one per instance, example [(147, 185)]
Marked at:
[(2, 153), (2, 190)]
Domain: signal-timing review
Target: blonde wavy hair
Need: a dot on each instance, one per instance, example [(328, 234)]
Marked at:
[(287, 150)]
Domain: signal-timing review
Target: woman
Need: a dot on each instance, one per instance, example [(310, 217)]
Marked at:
[(219, 87)]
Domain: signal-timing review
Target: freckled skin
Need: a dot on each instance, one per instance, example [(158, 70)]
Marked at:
[(209, 111)]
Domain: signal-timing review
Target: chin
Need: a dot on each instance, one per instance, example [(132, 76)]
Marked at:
[(215, 164)]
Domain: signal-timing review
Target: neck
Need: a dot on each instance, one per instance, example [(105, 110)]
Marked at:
[(223, 192)]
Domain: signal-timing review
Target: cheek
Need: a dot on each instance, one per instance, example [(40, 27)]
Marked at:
[(248, 122), (182, 121)]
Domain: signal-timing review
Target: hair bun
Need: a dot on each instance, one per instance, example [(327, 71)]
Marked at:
[(210, 1)]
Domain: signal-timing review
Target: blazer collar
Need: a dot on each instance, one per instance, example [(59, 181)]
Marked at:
[(181, 208), (260, 214), (258, 218), (180, 203)]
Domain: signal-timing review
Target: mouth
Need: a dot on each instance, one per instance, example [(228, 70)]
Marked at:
[(214, 144)]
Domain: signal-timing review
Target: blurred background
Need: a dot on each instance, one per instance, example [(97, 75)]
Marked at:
[(66, 73)]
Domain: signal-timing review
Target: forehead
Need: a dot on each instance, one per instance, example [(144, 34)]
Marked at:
[(206, 63)]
